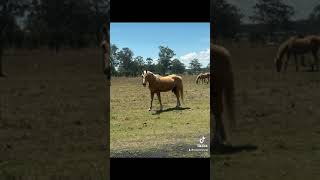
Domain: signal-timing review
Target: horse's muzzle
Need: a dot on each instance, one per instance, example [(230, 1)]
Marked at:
[(144, 84)]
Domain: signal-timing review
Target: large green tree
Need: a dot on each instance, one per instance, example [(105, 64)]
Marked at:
[(139, 65), (114, 62), (165, 56), (177, 67), (9, 10), (195, 66), (314, 18), (225, 19), (74, 23), (125, 57), (149, 64), (273, 14)]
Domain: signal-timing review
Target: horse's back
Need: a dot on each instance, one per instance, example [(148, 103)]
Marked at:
[(223, 81), (222, 64), (166, 83), (303, 45)]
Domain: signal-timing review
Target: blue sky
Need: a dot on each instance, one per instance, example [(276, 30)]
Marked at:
[(187, 40)]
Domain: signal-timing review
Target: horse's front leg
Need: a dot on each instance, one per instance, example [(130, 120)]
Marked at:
[(159, 98), (303, 62), (152, 94), (286, 63)]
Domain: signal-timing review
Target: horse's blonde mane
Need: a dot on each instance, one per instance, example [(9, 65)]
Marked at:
[(157, 76)]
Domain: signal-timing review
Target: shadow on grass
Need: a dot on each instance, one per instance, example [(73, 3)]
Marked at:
[(232, 149), (179, 150), (170, 109), (309, 70)]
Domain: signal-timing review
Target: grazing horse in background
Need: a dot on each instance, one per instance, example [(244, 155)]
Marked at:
[(104, 40), (222, 93), (298, 46), (203, 77), (207, 77), (159, 84), (199, 77)]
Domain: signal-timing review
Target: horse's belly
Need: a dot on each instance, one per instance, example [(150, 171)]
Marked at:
[(165, 88), (166, 85)]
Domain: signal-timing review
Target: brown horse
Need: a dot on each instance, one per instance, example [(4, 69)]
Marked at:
[(222, 93), (298, 46), (203, 77), (159, 84), (199, 77), (207, 77)]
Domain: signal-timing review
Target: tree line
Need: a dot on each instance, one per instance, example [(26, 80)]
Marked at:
[(51, 23), (269, 17), (123, 63)]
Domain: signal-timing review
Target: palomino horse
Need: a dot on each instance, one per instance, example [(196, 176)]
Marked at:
[(104, 43), (298, 46), (159, 84), (104, 39), (203, 77), (222, 93)]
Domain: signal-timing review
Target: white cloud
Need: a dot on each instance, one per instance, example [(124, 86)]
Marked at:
[(202, 56)]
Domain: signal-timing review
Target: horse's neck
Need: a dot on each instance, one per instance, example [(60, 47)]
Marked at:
[(283, 50), (152, 79)]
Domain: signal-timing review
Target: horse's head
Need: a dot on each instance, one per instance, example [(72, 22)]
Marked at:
[(104, 43), (144, 75), (104, 37)]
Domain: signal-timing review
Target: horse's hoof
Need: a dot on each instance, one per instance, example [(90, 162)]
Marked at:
[(149, 109)]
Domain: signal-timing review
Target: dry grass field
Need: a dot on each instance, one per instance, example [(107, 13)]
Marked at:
[(278, 121), (52, 123), (137, 132)]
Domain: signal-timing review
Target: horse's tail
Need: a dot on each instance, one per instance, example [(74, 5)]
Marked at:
[(178, 85), (181, 90)]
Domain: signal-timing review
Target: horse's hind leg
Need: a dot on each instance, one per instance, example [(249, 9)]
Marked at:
[(219, 134), (176, 92), (287, 61), (152, 94), (159, 98), (316, 61)]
